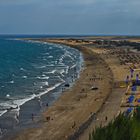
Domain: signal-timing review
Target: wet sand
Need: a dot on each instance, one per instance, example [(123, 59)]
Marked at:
[(94, 92)]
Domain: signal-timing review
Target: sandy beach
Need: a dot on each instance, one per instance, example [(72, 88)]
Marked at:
[(94, 94), (69, 70)]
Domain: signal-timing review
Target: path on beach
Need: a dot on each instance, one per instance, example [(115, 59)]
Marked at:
[(111, 108)]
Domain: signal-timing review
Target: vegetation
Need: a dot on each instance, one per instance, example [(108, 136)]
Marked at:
[(122, 128)]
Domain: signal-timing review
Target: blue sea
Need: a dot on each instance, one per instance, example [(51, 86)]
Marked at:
[(31, 69)]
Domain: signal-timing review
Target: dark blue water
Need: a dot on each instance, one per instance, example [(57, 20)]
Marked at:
[(31, 69)]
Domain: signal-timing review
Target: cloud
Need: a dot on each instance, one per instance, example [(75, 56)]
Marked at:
[(17, 2), (49, 2), (70, 16)]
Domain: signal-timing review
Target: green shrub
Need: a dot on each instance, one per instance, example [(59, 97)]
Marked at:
[(122, 128)]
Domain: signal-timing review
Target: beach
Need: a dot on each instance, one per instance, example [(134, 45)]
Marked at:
[(94, 95)]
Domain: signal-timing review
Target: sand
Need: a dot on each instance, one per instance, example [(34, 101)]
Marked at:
[(112, 106), (72, 115)]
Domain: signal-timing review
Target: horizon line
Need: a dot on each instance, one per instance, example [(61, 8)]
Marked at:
[(28, 34)]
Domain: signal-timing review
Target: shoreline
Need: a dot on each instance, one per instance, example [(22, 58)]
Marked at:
[(61, 107), (30, 103)]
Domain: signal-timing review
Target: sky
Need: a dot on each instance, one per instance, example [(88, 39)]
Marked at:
[(71, 17)]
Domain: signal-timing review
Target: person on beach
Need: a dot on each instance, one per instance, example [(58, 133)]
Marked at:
[(48, 118), (106, 118), (63, 89), (127, 80), (131, 70), (137, 78), (94, 116), (131, 75), (47, 104), (0, 131), (32, 117), (17, 118), (74, 124), (83, 90), (40, 102), (17, 114)]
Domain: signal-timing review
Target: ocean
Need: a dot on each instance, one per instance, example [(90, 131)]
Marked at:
[(30, 70)]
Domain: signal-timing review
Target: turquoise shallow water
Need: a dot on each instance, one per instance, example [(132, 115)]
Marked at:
[(31, 69)]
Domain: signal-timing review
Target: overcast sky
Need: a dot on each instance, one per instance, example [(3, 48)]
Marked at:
[(70, 17)]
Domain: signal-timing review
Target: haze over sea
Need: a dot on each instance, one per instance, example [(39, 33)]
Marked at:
[(29, 69)]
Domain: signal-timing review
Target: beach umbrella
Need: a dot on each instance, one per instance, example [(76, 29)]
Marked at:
[(132, 96), (138, 82), (134, 88), (129, 110), (131, 99), (138, 100)]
